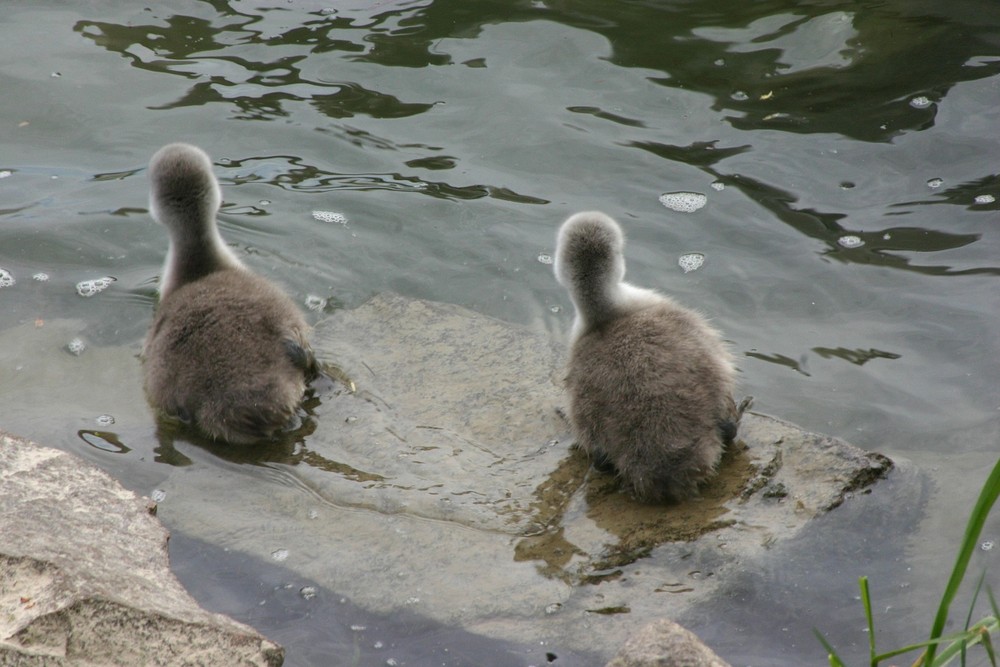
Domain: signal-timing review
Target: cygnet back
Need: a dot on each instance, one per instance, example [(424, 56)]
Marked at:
[(650, 382), (227, 350)]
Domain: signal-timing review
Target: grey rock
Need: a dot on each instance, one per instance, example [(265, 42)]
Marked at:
[(664, 643), (85, 579)]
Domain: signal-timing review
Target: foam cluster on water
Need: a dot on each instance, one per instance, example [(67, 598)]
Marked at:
[(40, 277), (984, 199), (920, 102), (850, 241), (683, 202), (935, 183), (76, 346), (330, 216), (88, 288), (545, 258), (691, 261), (315, 303), (6, 280)]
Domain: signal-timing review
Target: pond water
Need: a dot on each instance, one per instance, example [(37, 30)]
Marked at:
[(819, 177)]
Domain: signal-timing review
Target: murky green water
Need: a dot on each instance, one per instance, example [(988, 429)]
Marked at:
[(847, 152)]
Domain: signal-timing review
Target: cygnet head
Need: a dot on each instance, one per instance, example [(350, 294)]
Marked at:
[(183, 193), (589, 263), (184, 196), (589, 251)]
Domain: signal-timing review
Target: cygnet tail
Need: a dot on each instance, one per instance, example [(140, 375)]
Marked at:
[(249, 418), (302, 357), (675, 476)]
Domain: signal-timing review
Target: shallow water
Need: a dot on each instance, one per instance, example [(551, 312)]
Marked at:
[(846, 156)]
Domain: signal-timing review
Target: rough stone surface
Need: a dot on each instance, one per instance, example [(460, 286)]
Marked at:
[(664, 643), (84, 576)]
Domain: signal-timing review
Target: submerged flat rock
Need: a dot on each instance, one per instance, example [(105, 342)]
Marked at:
[(435, 475), (84, 576), (446, 414), (441, 478)]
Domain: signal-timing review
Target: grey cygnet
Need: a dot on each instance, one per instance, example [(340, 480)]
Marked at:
[(227, 350), (650, 382)]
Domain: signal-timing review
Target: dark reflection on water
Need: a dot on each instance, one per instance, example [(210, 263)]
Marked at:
[(981, 194), (319, 628), (862, 72), (190, 47), (879, 247)]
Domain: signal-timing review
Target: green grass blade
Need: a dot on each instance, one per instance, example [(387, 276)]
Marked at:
[(973, 529), (866, 602), (959, 642), (993, 602), (988, 646), (831, 653), (975, 598)]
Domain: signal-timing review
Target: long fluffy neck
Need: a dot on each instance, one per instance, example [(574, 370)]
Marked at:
[(192, 257), (599, 304)]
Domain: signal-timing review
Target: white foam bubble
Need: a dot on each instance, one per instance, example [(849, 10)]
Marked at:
[(850, 241), (683, 202), (40, 277), (105, 420), (76, 346), (307, 592), (984, 199), (718, 186), (740, 96), (920, 102), (158, 495), (6, 280), (691, 261), (88, 288), (6, 173), (330, 216), (545, 258), (316, 303), (935, 183), (279, 555)]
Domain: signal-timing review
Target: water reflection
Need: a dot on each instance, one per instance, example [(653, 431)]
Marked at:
[(288, 448), (106, 441), (878, 248), (626, 530)]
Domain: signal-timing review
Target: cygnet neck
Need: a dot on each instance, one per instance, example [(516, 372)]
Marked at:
[(597, 300), (185, 198), (195, 251)]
